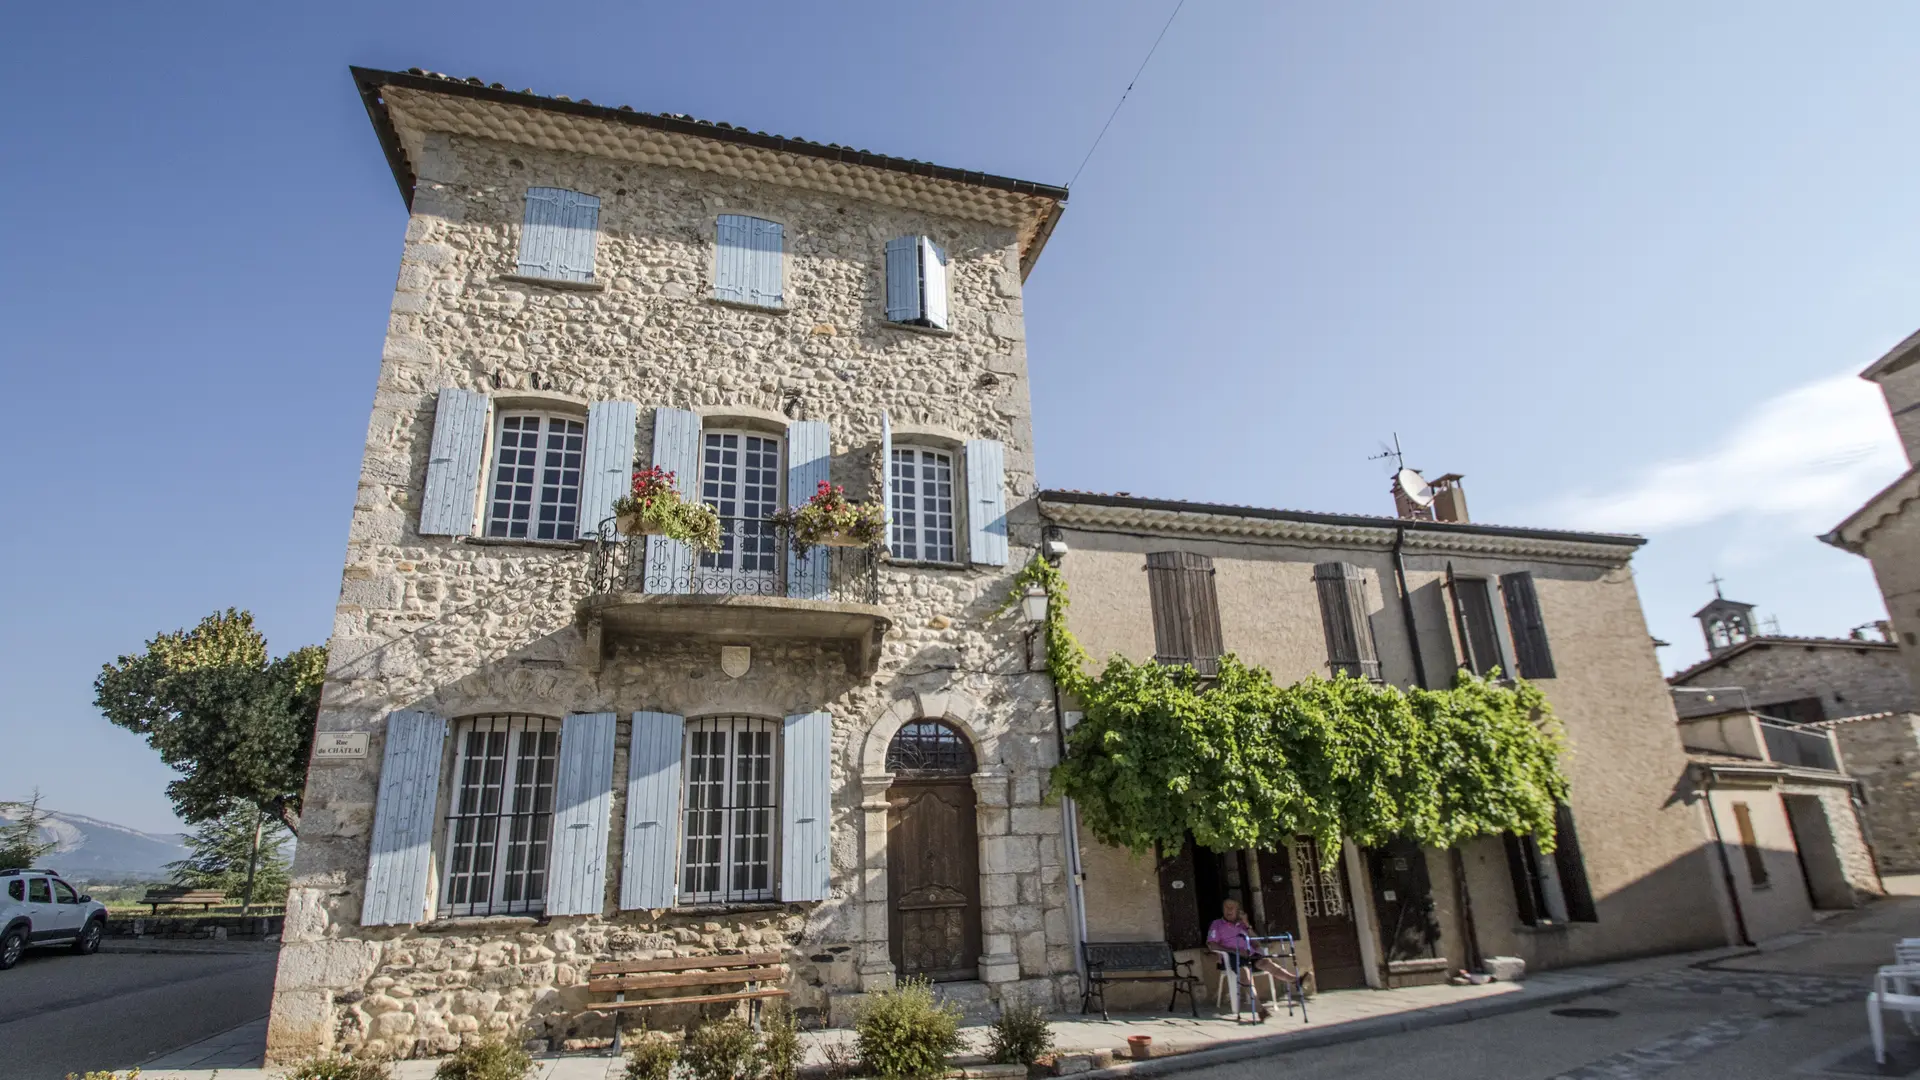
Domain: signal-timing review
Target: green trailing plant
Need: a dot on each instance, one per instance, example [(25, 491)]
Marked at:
[(1239, 761), (339, 1067), (906, 1033), (655, 508), (828, 518), (1019, 1036), (653, 1057), (726, 1049), (495, 1058), (780, 1051)]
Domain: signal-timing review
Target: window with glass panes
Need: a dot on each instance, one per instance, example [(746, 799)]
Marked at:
[(729, 809), (740, 479), (501, 829), (535, 493), (922, 504)]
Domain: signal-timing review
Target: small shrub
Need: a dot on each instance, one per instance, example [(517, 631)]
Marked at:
[(722, 1050), (489, 1059), (780, 1051), (1020, 1036), (337, 1067), (104, 1074), (906, 1033), (653, 1058), (842, 1061)]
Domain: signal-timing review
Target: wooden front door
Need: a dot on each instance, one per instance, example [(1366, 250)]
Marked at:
[(1327, 905), (933, 879)]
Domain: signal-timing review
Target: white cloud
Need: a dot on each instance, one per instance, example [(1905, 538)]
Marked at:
[(1810, 455)]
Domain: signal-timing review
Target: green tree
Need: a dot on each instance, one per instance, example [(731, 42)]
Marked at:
[(242, 853), (236, 723), (20, 835)]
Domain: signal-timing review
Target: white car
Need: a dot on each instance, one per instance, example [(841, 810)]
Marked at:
[(37, 908)]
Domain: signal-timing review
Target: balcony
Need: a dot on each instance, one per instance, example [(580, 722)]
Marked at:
[(752, 587)]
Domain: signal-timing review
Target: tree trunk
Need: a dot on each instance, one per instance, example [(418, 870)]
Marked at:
[(283, 809), (253, 860)]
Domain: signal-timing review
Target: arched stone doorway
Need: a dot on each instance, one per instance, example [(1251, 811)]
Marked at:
[(933, 854)]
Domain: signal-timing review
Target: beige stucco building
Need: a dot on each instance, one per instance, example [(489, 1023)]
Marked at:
[(1407, 601), (545, 746)]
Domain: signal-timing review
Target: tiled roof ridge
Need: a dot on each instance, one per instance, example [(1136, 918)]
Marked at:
[(1773, 639), (1838, 720)]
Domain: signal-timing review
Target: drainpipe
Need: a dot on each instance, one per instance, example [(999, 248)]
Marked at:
[(1070, 829), (1726, 865)]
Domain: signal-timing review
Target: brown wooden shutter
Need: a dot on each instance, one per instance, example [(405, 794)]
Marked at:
[(1186, 610), (1750, 845), (1278, 913), (1530, 653), (1526, 888), (1573, 868), (1179, 900), (1343, 613)]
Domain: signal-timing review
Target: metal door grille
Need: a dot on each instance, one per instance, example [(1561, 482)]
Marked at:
[(730, 809), (501, 828)]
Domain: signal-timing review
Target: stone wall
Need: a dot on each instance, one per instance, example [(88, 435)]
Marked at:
[(1849, 678), (199, 927), (1883, 753), (465, 627)]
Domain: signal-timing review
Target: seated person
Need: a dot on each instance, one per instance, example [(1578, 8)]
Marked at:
[(1231, 933)]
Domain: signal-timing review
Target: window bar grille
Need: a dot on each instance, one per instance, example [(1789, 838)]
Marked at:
[(729, 814), (500, 830)]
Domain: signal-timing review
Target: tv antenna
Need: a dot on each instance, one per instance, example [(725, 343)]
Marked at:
[(1391, 454)]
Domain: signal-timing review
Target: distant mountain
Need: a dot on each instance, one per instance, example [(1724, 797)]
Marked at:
[(99, 851)]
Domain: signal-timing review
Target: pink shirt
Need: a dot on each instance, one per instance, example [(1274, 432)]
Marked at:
[(1230, 936)]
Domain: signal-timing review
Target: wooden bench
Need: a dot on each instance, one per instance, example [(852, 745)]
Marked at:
[(206, 898), (750, 972), (1135, 961)]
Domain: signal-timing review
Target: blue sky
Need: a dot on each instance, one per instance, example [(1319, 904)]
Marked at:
[(1615, 263)]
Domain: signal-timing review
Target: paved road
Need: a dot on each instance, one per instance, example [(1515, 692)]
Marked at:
[(61, 1013)]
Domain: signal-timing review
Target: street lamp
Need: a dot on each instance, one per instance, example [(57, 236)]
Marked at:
[(1033, 604)]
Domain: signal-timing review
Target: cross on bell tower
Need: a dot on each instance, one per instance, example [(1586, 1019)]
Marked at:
[(1725, 623)]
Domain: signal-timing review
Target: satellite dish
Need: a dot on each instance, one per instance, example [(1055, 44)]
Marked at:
[(1414, 487)]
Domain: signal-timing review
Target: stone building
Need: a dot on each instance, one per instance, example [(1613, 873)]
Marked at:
[(546, 745), (1408, 602), (1882, 752)]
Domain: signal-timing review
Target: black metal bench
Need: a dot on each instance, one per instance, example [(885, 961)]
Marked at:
[(1135, 961)]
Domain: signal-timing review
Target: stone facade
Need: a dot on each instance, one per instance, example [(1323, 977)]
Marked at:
[(1849, 677), (1641, 831), (1882, 751), (461, 626)]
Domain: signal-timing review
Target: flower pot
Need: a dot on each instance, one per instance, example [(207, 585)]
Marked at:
[(841, 540), (634, 525), (1140, 1046)]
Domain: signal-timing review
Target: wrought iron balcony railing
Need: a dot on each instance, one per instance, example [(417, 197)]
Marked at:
[(755, 559)]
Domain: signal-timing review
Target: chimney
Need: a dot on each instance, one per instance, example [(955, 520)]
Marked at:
[(1450, 499)]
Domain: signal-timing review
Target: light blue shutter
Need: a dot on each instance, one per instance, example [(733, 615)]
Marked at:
[(809, 455), (653, 812), (806, 857), (769, 249), (541, 232), (986, 502), (582, 801), (903, 279), (886, 470), (401, 851), (609, 471), (933, 282), (453, 464), (578, 235), (676, 448)]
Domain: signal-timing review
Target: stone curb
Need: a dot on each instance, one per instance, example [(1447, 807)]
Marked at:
[(229, 947), (1351, 1031)]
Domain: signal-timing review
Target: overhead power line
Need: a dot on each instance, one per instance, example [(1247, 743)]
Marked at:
[(1124, 93)]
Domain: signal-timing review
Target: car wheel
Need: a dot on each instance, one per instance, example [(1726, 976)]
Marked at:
[(12, 944), (88, 942)]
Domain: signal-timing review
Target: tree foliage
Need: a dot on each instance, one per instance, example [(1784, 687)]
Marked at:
[(20, 835), (242, 853), (236, 723), (1242, 762)]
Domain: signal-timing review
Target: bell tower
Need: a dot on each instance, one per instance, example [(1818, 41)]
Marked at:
[(1725, 623)]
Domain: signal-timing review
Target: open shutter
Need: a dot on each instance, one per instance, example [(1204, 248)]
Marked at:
[(1532, 658), (653, 811), (809, 455), (582, 801), (401, 851), (1180, 913), (903, 279), (1526, 888), (453, 464), (1462, 640), (1572, 868), (933, 283), (578, 236), (806, 858), (886, 471), (986, 503), (732, 257), (1279, 912), (1343, 613), (609, 472), (768, 250), (676, 448), (542, 232), (1186, 610)]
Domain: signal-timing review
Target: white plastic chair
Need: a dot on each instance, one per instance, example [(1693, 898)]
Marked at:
[(1229, 986), (1885, 997), (1906, 952)]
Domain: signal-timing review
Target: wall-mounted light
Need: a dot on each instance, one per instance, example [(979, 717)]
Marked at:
[(1053, 543), (1033, 604)]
